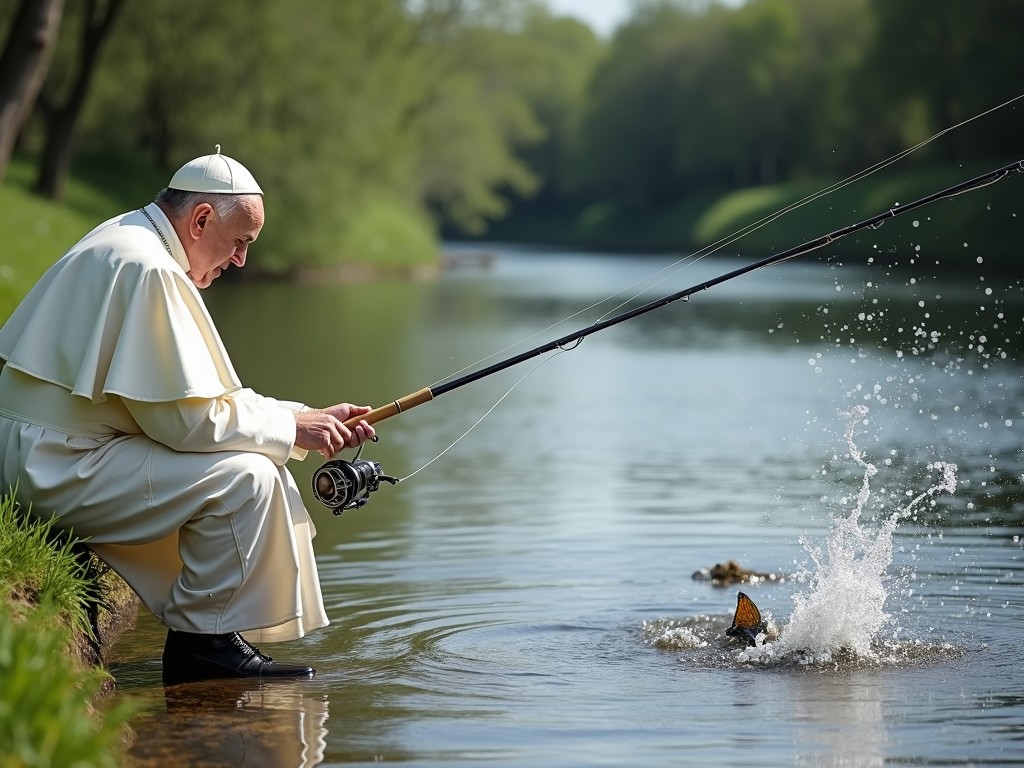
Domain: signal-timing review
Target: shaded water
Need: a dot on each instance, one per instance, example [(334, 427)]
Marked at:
[(527, 598)]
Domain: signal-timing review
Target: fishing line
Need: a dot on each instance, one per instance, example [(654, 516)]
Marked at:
[(340, 484), (489, 410)]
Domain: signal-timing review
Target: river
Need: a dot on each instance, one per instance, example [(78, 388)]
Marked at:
[(527, 596)]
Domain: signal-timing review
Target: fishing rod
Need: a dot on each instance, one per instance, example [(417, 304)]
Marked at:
[(341, 484)]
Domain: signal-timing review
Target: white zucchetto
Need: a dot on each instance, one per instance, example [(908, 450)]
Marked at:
[(215, 174)]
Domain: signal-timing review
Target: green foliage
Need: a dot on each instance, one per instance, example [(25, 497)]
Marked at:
[(461, 177), (950, 65), (46, 714), (389, 235), (695, 94), (328, 104), (630, 131), (537, 68)]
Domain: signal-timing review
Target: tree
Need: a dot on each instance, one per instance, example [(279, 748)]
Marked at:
[(551, 63), (762, 47), (23, 66), (61, 120), (471, 122), (947, 63), (180, 68), (652, 124), (699, 97), (344, 111)]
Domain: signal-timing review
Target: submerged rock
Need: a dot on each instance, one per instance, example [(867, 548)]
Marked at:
[(731, 572)]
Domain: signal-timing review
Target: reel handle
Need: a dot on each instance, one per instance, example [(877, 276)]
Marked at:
[(394, 408)]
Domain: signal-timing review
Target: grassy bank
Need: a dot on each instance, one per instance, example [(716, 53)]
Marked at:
[(52, 708)]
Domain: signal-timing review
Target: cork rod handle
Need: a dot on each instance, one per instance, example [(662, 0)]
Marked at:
[(394, 408)]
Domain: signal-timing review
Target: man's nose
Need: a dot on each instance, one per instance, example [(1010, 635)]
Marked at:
[(238, 257)]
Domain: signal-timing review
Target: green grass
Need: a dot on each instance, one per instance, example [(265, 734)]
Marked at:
[(38, 568), (46, 709), (47, 714), (33, 234), (736, 210)]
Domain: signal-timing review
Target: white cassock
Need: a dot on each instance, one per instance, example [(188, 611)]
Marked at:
[(121, 414)]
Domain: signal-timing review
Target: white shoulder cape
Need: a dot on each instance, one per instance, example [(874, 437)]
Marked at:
[(118, 315)]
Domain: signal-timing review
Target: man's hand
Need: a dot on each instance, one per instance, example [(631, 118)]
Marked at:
[(324, 430)]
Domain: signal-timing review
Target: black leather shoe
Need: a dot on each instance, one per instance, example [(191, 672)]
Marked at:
[(189, 657)]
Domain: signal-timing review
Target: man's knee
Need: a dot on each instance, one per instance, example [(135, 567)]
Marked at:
[(254, 476)]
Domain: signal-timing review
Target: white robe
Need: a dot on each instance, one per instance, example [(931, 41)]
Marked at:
[(120, 412)]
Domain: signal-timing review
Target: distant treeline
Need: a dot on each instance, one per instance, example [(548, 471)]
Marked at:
[(375, 124)]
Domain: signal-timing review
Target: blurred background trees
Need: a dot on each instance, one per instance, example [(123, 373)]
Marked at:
[(376, 124)]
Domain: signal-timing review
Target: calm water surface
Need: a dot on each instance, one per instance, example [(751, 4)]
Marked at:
[(527, 598)]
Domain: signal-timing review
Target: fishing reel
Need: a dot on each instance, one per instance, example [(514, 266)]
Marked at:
[(341, 485)]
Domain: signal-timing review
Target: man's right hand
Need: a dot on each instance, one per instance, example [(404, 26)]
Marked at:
[(324, 430)]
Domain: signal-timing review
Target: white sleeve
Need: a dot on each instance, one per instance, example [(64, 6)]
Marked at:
[(240, 421)]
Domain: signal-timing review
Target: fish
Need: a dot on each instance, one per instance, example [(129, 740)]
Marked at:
[(747, 623)]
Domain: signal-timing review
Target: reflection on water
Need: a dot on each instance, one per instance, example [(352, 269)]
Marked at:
[(839, 724), (509, 603), (233, 723)]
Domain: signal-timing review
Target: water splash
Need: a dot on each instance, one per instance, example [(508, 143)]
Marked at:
[(840, 617), (842, 611)]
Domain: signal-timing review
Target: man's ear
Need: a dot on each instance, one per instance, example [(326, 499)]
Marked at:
[(201, 215)]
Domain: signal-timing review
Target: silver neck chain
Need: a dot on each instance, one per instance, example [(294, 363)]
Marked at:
[(161, 234)]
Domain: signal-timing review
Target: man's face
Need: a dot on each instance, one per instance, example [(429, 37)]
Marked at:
[(218, 243)]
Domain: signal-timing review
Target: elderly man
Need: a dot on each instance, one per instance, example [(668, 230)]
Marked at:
[(121, 414)]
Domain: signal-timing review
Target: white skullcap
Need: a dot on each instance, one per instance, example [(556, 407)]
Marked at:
[(215, 174)]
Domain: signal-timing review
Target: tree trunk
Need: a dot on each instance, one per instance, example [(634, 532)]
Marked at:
[(56, 158), (62, 120), (23, 66)]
